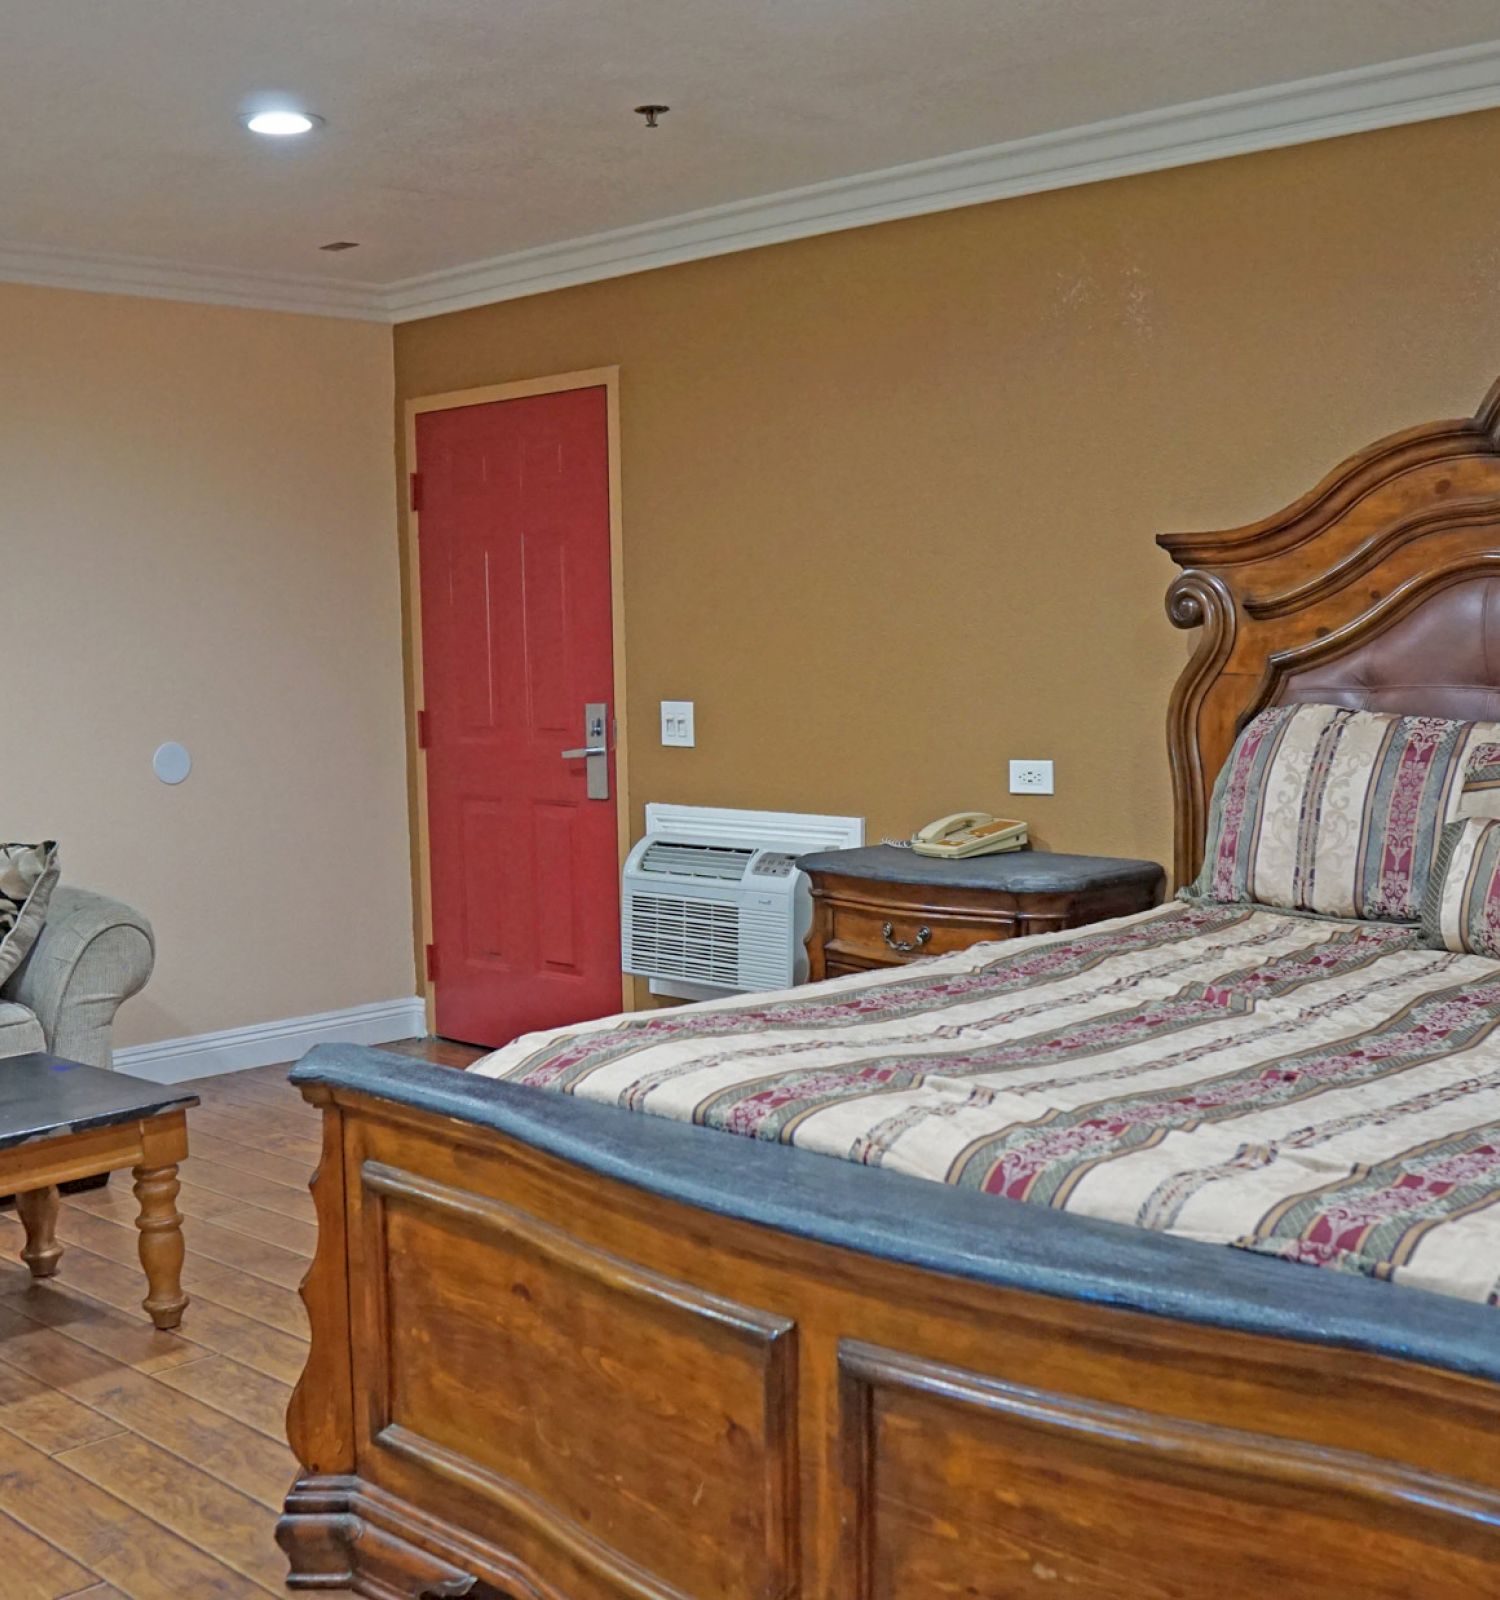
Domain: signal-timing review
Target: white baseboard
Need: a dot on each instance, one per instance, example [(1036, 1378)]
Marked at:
[(206, 1055)]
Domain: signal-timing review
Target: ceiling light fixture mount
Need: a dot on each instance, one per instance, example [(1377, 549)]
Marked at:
[(651, 113), (281, 122)]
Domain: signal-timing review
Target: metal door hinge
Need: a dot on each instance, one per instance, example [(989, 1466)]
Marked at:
[(432, 964), (416, 491), (424, 733)]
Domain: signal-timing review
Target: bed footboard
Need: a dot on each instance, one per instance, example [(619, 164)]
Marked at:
[(532, 1378)]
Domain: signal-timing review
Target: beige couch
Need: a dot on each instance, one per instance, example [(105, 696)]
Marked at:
[(93, 953)]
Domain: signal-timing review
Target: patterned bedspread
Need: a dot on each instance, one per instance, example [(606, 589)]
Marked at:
[(1324, 1091)]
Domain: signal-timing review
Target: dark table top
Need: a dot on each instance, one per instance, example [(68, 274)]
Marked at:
[(1011, 871), (43, 1096)]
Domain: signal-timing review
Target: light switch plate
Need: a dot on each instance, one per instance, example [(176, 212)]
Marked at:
[(1031, 777), (677, 722)]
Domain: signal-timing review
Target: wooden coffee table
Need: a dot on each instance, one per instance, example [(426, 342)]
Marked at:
[(61, 1120)]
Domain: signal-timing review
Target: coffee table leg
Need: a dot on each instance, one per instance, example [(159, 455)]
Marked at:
[(38, 1212), (161, 1243)]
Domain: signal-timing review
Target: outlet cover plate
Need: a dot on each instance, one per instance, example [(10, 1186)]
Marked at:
[(1031, 777), (677, 722)]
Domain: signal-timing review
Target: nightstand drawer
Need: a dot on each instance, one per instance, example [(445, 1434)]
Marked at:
[(881, 935)]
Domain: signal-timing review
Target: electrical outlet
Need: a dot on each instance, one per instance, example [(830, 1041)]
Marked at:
[(677, 722), (1031, 777)]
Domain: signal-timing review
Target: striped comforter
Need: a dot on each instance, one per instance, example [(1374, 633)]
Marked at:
[(1325, 1091)]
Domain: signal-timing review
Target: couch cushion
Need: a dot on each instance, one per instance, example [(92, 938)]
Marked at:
[(20, 1032), (28, 873)]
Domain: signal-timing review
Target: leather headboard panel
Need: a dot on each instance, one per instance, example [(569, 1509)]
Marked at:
[(1441, 659)]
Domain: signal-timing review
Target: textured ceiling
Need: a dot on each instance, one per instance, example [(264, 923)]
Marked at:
[(464, 129)]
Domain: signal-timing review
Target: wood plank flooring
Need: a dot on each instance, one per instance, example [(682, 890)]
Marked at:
[(137, 1465)]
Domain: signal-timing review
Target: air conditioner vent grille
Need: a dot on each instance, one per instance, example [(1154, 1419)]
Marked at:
[(723, 862), (673, 937)]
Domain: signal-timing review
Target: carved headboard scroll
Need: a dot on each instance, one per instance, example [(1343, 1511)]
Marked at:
[(1380, 588)]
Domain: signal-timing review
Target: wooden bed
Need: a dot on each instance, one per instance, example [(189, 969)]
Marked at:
[(565, 1353)]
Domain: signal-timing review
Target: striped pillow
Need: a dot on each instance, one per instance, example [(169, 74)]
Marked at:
[(1462, 908), (1339, 812), (1481, 796)]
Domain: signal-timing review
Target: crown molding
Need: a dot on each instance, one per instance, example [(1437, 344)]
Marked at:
[(174, 280), (1416, 89)]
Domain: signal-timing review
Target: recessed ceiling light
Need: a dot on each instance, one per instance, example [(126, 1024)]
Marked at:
[(282, 124)]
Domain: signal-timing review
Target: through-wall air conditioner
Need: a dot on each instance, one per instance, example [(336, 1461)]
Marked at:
[(712, 901)]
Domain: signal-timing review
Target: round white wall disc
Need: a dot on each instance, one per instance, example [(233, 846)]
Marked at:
[(171, 763)]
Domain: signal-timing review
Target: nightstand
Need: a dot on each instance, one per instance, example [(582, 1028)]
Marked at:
[(882, 907)]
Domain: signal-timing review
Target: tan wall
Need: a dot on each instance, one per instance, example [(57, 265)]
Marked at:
[(198, 545), (890, 495)]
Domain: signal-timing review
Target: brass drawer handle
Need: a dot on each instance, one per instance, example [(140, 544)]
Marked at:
[(904, 946)]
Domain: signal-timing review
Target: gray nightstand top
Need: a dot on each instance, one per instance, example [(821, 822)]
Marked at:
[(1009, 872)]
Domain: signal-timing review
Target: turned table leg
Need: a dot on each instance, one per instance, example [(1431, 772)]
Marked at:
[(161, 1243), (38, 1213)]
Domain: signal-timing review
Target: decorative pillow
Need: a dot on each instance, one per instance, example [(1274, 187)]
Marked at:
[(1339, 812), (1462, 907), (28, 873), (1481, 791)]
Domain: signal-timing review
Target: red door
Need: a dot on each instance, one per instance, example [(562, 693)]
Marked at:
[(513, 537)]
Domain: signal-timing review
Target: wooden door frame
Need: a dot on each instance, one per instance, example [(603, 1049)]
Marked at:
[(608, 379)]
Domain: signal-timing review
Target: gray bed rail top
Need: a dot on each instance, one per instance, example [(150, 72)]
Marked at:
[(957, 1231)]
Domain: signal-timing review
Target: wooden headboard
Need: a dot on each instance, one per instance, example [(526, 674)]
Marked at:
[(1380, 588)]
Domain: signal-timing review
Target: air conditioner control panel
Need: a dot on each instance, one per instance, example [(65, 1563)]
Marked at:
[(771, 865)]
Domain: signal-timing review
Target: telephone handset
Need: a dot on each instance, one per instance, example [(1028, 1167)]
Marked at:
[(969, 833)]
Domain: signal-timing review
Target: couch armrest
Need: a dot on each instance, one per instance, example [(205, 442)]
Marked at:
[(93, 953)]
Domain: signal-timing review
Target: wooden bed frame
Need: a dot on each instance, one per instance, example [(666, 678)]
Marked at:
[(561, 1352)]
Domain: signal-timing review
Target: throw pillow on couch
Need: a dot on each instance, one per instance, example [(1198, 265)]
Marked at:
[(28, 874)]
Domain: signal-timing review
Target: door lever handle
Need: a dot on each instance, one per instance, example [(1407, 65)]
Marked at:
[(596, 751)]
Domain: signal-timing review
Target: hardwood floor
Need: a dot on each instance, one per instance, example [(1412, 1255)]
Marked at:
[(137, 1465)]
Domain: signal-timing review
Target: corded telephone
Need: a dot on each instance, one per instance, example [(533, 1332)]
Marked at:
[(969, 833)]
